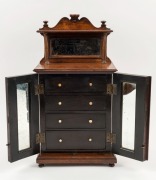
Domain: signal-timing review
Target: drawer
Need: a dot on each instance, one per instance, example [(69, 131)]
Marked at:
[(75, 140), (77, 102), (81, 120), (76, 83)]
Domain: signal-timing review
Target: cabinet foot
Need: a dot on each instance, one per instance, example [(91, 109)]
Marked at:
[(111, 165), (41, 165)]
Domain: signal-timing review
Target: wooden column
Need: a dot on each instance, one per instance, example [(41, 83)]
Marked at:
[(46, 49), (104, 48)]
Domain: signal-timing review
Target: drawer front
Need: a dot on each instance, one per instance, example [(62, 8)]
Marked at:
[(77, 102), (76, 83), (81, 120), (75, 140)]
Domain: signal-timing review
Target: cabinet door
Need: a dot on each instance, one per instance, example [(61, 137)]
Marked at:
[(22, 116), (130, 116)]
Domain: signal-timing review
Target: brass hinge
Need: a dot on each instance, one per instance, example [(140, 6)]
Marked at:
[(112, 89), (39, 89), (111, 138), (40, 138)]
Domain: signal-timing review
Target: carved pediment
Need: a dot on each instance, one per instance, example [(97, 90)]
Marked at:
[(74, 23)]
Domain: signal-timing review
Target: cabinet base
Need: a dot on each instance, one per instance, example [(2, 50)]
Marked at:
[(76, 159)]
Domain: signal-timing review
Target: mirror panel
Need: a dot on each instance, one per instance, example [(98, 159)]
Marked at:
[(23, 116), (128, 115), (75, 46)]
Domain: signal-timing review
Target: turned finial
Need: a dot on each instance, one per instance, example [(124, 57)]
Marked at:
[(74, 17), (103, 24), (45, 24)]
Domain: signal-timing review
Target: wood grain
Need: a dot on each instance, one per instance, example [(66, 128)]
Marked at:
[(75, 68), (76, 159)]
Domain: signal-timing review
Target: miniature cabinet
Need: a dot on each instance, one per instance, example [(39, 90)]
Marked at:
[(75, 109)]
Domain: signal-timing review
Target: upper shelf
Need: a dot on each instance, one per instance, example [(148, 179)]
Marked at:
[(75, 46)]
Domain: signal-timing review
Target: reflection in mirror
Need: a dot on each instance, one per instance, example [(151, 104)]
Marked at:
[(128, 115), (23, 116), (75, 46)]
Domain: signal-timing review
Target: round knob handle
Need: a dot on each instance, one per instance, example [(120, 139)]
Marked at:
[(60, 103), (90, 121), (90, 103), (59, 121), (59, 85), (60, 140), (90, 139), (90, 84)]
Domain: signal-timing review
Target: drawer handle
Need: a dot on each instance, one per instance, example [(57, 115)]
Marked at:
[(59, 121), (59, 85), (90, 139), (90, 84), (60, 103), (60, 140), (90, 121), (90, 103)]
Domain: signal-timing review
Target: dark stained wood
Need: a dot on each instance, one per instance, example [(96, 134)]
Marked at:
[(65, 83), (77, 102), (84, 120), (42, 110), (76, 140), (75, 94), (76, 159)]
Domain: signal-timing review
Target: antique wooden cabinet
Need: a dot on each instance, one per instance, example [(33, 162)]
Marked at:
[(75, 109)]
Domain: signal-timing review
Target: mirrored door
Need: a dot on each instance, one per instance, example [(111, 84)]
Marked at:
[(130, 115), (22, 116)]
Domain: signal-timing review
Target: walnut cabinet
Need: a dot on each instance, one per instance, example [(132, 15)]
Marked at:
[(75, 109)]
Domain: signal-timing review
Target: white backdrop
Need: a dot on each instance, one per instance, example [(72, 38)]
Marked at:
[(132, 48)]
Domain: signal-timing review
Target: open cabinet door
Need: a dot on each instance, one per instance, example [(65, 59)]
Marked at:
[(130, 116), (22, 116)]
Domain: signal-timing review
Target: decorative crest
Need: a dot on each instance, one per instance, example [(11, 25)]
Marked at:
[(74, 24)]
